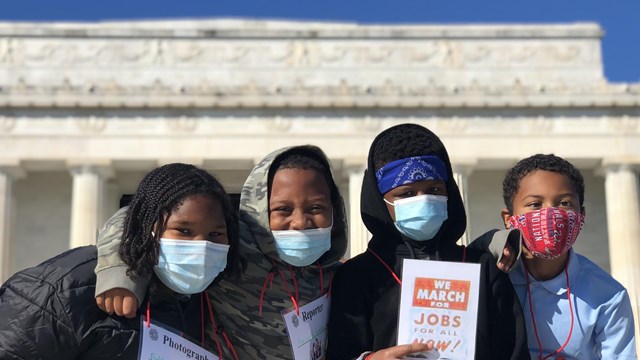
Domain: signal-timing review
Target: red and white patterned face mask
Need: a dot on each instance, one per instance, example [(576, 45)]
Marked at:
[(550, 232)]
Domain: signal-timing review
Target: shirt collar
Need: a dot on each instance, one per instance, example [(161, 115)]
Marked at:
[(557, 285)]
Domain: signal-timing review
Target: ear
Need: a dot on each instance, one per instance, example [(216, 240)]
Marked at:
[(505, 217)]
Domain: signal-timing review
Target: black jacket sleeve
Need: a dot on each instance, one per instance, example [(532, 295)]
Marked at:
[(48, 312), (32, 325), (502, 330), (349, 320)]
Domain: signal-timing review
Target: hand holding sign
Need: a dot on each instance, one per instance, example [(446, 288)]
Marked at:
[(400, 351)]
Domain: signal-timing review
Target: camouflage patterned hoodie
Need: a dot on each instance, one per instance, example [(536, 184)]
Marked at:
[(264, 336), (236, 301)]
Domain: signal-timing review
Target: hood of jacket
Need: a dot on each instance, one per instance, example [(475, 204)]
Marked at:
[(254, 209), (387, 239)]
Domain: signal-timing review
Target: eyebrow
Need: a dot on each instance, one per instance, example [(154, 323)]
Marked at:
[(315, 198), (537, 196)]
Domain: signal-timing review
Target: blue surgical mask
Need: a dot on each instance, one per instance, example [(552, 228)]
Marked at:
[(302, 247), (189, 266), (420, 217)]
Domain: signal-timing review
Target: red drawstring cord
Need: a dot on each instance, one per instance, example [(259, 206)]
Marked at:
[(330, 285), (149, 313), (215, 332), (269, 280), (387, 266), (533, 317), (293, 300)]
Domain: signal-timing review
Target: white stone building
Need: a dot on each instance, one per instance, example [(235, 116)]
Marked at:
[(87, 109)]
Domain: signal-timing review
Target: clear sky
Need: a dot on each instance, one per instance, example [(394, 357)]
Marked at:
[(619, 18)]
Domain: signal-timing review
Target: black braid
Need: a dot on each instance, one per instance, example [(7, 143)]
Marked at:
[(160, 192)]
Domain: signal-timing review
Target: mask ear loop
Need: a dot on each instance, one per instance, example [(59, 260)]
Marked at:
[(390, 203)]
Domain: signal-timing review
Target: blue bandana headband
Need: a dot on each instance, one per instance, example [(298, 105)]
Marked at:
[(410, 170)]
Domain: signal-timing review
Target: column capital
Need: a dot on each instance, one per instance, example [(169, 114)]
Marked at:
[(103, 168), (619, 164), (464, 166), (12, 169)]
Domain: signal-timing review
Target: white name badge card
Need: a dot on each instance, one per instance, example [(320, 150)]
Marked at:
[(439, 305), (158, 342), (308, 330)]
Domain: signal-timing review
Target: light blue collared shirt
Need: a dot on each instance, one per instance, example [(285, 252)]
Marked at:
[(603, 325)]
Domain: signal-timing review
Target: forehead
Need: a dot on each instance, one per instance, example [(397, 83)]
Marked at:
[(545, 183), (201, 205), (288, 182)]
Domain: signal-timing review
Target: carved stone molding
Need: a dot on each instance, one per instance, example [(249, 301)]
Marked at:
[(280, 124), (7, 124), (92, 124), (368, 124), (624, 124), (541, 125), (182, 124), (454, 125)]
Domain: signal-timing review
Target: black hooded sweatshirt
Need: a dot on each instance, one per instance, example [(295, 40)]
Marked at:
[(366, 297)]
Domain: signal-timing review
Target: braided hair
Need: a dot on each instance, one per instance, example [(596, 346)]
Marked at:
[(159, 193)]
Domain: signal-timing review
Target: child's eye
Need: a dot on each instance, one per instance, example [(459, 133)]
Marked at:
[(566, 204), (434, 190), (316, 209), (184, 231), (406, 194), (215, 234), (534, 205), (282, 209)]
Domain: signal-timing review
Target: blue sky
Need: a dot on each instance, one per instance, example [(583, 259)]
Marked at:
[(619, 18)]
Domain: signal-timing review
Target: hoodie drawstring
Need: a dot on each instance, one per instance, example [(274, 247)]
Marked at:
[(267, 280), (295, 285), (218, 330)]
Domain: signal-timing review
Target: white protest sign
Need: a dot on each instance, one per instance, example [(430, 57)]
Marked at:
[(439, 305), (308, 329), (157, 342)]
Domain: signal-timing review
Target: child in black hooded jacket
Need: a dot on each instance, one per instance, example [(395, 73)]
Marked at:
[(366, 294)]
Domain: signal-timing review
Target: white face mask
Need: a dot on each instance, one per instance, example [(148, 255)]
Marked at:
[(189, 266), (420, 217), (302, 247)]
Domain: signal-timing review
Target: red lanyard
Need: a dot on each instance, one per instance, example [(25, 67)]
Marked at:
[(464, 257), (216, 329), (294, 299), (533, 318), (387, 266)]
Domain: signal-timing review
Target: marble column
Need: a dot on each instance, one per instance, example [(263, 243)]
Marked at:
[(8, 174), (461, 173), (623, 222), (358, 234), (87, 202)]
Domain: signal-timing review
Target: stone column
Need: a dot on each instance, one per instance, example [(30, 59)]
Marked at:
[(623, 221), (358, 234), (8, 174), (87, 202), (461, 172)]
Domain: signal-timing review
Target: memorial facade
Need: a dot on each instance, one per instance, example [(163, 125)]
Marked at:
[(87, 109)]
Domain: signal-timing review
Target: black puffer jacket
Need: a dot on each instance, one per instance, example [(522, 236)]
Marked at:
[(49, 312), (366, 297)]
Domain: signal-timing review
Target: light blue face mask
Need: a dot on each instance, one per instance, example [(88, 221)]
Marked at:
[(189, 266), (302, 247), (420, 217)]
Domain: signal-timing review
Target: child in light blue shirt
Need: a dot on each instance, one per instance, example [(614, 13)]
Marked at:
[(573, 309)]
